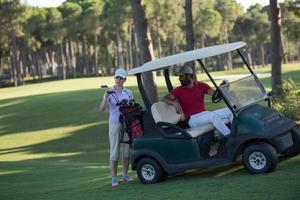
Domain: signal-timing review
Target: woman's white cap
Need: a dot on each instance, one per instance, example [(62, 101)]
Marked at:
[(120, 72)]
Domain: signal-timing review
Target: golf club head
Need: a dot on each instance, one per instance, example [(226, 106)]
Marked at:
[(110, 91), (104, 86)]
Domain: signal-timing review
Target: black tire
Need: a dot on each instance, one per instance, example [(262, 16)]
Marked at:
[(295, 149), (149, 171), (260, 158)]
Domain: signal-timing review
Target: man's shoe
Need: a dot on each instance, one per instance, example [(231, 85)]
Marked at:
[(127, 178), (214, 149), (114, 182)]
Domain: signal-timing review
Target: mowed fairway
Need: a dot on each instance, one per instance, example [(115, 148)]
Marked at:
[(54, 145)]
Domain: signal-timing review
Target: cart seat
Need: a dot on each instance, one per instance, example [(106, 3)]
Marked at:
[(163, 112)]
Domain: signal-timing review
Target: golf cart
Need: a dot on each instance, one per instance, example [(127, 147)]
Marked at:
[(258, 132)]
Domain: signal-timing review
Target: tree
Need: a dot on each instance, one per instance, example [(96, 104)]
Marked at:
[(190, 41), (275, 45), (115, 19), (165, 19), (208, 23), (71, 13), (145, 46), (290, 30), (11, 17), (229, 11), (252, 28), (261, 28)]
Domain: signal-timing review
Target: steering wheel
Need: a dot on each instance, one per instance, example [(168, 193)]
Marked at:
[(217, 97)]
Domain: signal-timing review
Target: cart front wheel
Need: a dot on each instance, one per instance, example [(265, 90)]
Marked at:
[(260, 158)]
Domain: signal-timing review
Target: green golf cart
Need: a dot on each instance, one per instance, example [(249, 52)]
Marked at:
[(259, 133)]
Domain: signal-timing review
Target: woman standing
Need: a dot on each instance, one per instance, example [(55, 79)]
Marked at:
[(115, 127)]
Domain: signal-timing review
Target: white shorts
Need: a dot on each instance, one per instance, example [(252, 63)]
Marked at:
[(115, 133)]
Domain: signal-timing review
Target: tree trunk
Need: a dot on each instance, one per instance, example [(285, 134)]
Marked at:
[(13, 70), (298, 50), (130, 57), (284, 57), (137, 51), (174, 44), (39, 61), (72, 57), (202, 46), (1, 63), (86, 70), (14, 59), (249, 56), (229, 58), (31, 68), (67, 56), (96, 69), (158, 37), (48, 60), (190, 41), (158, 42), (51, 58), (19, 69), (275, 15), (63, 63), (145, 46), (262, 51), (120, 60), (79, 65)]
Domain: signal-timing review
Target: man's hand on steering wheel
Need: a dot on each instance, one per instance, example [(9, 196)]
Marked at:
[(217, 96)]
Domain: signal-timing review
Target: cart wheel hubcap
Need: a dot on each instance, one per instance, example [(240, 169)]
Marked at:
[(257, 160), (148, 172)]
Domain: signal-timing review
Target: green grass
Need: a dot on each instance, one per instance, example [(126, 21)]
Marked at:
[(54, 145)]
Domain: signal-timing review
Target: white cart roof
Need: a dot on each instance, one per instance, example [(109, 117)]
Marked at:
[(186, 57)]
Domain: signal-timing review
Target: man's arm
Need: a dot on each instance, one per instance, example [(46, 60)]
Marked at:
[(172, 100), (210, 92)]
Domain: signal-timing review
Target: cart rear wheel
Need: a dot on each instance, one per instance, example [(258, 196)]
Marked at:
[(149, 171), (260, 158)]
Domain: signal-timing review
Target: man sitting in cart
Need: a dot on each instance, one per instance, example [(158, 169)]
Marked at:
[(189, 99)]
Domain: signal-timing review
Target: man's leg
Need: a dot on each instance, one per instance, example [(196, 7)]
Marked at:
[(224, 113), (209, 117)]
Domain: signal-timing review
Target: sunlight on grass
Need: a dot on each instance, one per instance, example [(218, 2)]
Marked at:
[(230, 171), (10, 103), (36, 137), (9, 172), (27, 155), (4, 116)]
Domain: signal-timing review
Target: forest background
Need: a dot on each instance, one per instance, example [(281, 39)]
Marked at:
[(85, 38)]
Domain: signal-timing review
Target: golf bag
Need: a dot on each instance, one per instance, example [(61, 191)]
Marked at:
[(131, 120)]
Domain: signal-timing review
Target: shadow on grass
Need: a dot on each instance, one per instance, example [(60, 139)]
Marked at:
[(41, 112)]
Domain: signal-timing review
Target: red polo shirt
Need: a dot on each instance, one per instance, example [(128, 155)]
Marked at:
[(191, 99)]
